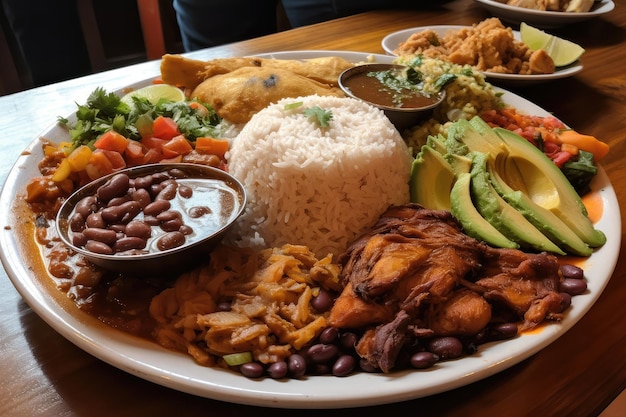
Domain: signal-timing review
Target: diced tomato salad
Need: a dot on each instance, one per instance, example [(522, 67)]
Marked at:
[(556, 140)]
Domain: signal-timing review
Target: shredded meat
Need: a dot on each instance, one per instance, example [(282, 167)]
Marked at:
[(417, 274)]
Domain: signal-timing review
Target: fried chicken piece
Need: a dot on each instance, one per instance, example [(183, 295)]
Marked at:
[(541, 63), (237, 95), (464, 313)]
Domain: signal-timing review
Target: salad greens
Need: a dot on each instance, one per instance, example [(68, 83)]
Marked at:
[(104, 111)]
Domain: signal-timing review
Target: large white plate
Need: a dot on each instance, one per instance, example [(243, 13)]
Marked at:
[(391, 42), (151, 362), (544, 19)]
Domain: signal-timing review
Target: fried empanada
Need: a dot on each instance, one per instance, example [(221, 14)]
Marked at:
[(238, 95)]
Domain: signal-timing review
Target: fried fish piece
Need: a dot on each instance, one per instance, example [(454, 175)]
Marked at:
[(238, 95)]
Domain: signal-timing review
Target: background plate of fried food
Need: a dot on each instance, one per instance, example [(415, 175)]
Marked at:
[(544, 18), (150, 361), (393, 44)]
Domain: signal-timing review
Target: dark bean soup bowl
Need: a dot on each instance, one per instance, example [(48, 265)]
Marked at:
[(153, 219), (390, 88)]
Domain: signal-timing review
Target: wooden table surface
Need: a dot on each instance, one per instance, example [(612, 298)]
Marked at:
[(41, 373)]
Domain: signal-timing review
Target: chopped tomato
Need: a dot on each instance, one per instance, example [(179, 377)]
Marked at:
[(178, 145), (116, 158), (165, 128), (212, 146), (154, 143), (111, 141), (99, 165)]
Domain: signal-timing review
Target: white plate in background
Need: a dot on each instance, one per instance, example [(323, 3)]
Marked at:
[(392, 40), (544, 19)]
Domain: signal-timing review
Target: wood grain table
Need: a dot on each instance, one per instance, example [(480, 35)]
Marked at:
[(41, 373)]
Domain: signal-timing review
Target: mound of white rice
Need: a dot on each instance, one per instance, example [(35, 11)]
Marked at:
[(312, 185)]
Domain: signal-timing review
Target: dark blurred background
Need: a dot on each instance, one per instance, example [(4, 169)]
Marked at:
[(45, 41)]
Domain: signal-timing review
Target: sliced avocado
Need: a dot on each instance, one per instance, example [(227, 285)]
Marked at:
[(530, 171), (474, 224), (458, 163), (438, 143), (431, 180), (544, 220), (494, 209)]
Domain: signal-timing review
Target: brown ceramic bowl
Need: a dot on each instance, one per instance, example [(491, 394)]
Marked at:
[(401, 117), (217, 201)]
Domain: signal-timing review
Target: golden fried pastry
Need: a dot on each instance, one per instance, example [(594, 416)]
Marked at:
[(238, 95)]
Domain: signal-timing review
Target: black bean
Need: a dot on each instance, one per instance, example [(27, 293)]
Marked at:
[(278, 370), (116, 186), (347, 341), (566, 300), (323, 302), (329, 335), (156, 207), (446, 347), (297, 365), (251, 370), (573, 286), (170, 240), (502, 331), (322, 353), (98, 247), (423, 360), (344, 365), (366, 366), (572, 271)]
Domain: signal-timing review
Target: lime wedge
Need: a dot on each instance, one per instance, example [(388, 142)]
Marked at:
[(534, 38), (562, 51), (154, 92)]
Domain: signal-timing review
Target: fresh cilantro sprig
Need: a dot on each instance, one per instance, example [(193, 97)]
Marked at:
[(318, 115)]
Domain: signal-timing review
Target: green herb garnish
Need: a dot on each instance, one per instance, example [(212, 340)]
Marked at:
[(318, 115)]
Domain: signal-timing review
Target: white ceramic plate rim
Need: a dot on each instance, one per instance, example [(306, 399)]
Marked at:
[(602, 7), (391, 41), (151, 362)]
